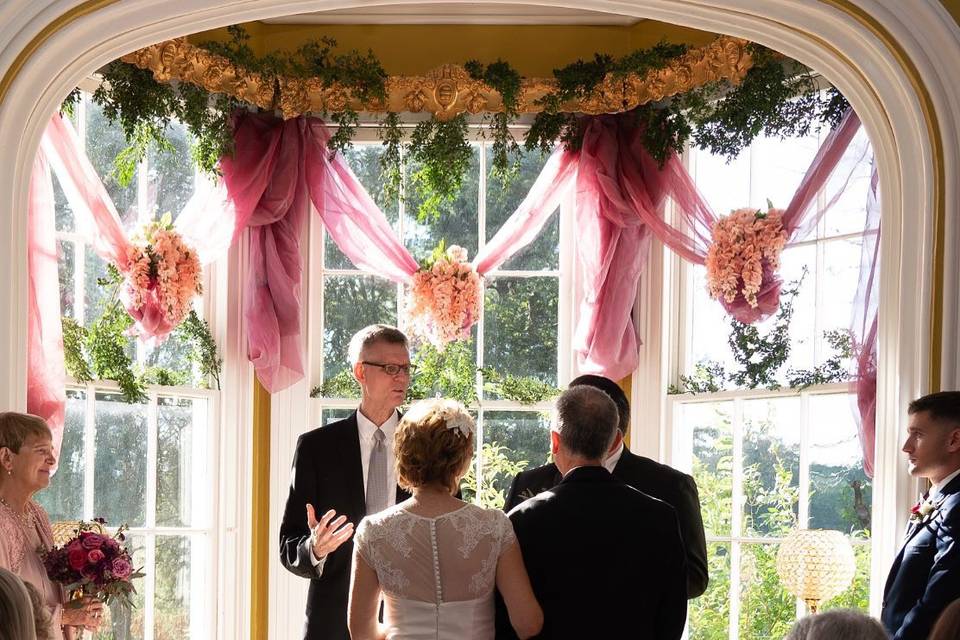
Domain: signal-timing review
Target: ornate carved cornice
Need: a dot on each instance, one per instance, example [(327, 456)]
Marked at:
[(446, 91)]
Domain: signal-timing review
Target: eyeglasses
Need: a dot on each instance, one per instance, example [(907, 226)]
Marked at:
[(391, 369)]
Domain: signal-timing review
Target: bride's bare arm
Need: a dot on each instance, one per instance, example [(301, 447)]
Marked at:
[(364, 602), (526, 616)]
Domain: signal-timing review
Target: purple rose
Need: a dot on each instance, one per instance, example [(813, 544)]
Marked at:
[(91, 540), (95, 556), (121, 568)]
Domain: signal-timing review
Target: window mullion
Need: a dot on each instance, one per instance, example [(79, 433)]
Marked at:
[(736, 519), (79, 282), (151, 516), (89, 450), (478, 379), (803, 515)]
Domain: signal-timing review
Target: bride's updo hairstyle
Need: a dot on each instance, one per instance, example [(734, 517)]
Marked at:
[(433, 444)]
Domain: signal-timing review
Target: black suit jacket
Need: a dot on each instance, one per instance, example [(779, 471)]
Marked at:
[(327, 473), (569, 537), (925, 577), (652, 478)]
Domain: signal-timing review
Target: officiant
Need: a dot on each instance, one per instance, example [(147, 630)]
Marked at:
[(342, 472)]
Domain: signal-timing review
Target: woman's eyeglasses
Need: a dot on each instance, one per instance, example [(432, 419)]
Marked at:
[(391, 369)]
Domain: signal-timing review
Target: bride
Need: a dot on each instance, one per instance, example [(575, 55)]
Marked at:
[(435, 559)]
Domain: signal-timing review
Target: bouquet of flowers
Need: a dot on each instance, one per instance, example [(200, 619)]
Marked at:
[(445, 297), (93, 563), (162, 276), (743, 259)]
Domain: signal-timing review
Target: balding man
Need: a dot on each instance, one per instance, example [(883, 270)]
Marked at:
[(570, 536)]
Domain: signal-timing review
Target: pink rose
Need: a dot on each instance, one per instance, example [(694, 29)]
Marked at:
[(91, 540), (95, 556), (77, 559), (121, 568)]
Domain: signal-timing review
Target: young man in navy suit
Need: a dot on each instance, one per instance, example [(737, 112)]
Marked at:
[(925, 576), (342, 472)]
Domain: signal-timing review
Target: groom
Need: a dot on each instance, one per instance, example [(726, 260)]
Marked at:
[(342, 472), (925, 576)]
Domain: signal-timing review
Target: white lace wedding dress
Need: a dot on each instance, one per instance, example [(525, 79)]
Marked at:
[(437, 574)]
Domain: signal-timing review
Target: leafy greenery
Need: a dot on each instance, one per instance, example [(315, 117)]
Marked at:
[(522, 389), (506, 81), (443, 153), (74, 337), (391, 168), (497, 466), (195, 331)]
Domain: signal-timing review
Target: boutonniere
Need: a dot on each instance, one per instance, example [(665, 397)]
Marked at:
[(924, 508)]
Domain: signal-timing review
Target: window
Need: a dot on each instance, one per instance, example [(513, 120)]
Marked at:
[(519, 332), (768, 461), (150, 465)]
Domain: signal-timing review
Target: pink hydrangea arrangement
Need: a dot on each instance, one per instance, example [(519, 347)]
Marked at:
[(444, 297), (93, 563), (744, 254), (162, 277)]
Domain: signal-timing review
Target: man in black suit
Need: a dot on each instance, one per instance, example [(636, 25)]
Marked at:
[(654, 479), (925, 576), (566, 535), (345, 471)]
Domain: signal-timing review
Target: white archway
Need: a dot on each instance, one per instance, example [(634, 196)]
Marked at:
[(893, 60)]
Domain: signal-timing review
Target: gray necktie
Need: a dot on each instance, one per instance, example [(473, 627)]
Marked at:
[(377, 474)]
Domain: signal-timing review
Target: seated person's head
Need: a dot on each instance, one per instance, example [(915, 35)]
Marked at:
[(838, 623), (16, 612), (948, 624), (613, 390), (584, 428), (433, 445)]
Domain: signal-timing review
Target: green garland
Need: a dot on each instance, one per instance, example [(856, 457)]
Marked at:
[(777, 97)]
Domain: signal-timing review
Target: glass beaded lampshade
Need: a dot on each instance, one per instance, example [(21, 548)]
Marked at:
[(815, 565)]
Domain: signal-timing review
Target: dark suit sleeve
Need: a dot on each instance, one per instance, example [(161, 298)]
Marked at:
[(694, 539), (943, 583), (512, 497), (294, 534), (672, 614)]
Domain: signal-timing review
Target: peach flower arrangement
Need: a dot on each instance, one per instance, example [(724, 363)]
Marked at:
[(444, 298), (742, 242), (162, 277)]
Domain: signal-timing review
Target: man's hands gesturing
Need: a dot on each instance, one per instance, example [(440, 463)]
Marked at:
[(325, 536)]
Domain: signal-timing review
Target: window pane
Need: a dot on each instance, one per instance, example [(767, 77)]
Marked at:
[(709, 326), (351, 303), (502, 201), (104, 142), (173, 587), (119, 624), (332, 415), (849, 213), (520, 330), (62, 210), (840, 492), (364, 161), (524, 436), (120, 474), (802, 328), (457, 222), (710, 426), (724, 185), (777, 167), (181, 456), (173, 355), (66, 270), (771, 466), (63, 499), (708, 617), (170, 176), (841, 273), (857, 596), (767, 611)]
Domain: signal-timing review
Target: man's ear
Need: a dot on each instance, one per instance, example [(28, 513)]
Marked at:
[(358, 371), (554, 442), (953, 440)]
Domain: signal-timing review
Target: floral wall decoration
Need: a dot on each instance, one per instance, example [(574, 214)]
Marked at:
[(444, 300), (743, 260)]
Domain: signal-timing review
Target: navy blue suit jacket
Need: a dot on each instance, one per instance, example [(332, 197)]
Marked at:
[(327, 473), (925, 577)]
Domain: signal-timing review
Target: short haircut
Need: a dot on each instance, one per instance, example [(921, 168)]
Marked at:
[(372, 334), (428, 449), (613, 390), (16, 611), (586, 421), (942, 407), (837, 623), (15, 428)]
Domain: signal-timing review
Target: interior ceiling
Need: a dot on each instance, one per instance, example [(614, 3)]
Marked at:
[(460, 13)]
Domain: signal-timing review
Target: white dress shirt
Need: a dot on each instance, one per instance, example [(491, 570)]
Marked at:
[(935, 489), (611, 462), (366, 428)]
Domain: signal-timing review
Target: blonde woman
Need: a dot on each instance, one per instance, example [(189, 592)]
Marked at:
[(26, 463), (433, 558)]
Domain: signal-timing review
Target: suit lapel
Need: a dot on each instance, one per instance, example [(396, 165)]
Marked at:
[(353, 466)]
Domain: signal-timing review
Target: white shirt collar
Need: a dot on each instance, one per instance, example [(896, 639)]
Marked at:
[(611, 462), (935, 489), (367, 427)]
